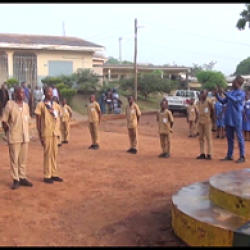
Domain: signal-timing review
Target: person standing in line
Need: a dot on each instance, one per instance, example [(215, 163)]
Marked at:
[(66, 115), (47, 118), (233, 117), (38, 95), (246, 118), (133, 114), (206, 120), (4, 97), (94, 119), (26, 92), (166, 121), (192, 118), (16, 125)]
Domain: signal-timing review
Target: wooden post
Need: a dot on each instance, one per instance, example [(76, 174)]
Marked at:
[(135, 63)]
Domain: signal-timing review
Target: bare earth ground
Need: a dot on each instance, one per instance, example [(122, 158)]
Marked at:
[(108, 198)]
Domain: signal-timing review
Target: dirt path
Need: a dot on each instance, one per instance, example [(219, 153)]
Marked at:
[(108, 198)]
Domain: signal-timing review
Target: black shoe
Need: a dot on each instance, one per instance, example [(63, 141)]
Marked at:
[(161, 155), (130, 150), (227, 158), (59, 145), (209, 157), (91, 147), (134, 151), (166, 155), (48, 180), (217, 137), (15, 185), (201, 157), (242, 159), (190, 136), (95, 147), (25, 183), (65, 142), (58, 179), (197, 134), (222, 137)]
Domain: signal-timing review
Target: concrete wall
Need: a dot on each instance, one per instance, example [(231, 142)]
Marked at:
[(79, 59)]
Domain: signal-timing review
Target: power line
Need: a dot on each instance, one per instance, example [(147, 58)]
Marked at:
[(109, 31), (107, 37), (197, 35), (189, 51)]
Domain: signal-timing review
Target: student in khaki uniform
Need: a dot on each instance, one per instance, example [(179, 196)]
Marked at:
[(94, 118), (47, 118), (133, 114), (192, 118), (16, 125), (165, 119), (66, 115), (206, 119)]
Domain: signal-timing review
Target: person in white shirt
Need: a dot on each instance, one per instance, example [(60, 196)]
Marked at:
[(38, 95), (55, 92)]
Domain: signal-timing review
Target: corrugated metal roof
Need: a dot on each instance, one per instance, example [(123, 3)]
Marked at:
[(45, 40)]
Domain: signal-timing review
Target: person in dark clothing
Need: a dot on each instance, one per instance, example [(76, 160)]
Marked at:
[(4, 97)]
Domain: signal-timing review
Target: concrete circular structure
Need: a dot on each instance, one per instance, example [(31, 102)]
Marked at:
[(201, 221)]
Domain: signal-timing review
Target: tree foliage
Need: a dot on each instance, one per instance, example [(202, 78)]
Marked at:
[(243, 68), (244, 19), (205, 67), (211, 79), (148, 84), (12, 82)]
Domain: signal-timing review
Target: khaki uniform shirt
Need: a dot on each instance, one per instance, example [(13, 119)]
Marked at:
[(50, 124), (93, 110), (66, 113), (191, 112), (165, 119), (18, 122), (132, 112), (205, 109)]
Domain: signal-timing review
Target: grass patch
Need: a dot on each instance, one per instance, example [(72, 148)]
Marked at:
[(152, 103)]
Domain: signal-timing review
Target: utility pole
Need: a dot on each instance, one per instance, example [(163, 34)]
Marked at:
[(120, 50), (63, 30), (135, 63)]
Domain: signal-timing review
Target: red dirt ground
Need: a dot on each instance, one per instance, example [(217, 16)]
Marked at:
[(108, 197)]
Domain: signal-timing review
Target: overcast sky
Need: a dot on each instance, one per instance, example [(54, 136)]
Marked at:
[(180, 33)]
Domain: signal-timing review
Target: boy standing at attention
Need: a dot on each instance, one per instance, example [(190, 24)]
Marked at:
[(47, 119), (133, 114), (233, 118), (16, 125), (94, 118), (206, 119), (192, 117), (165, 119), (66, 115)]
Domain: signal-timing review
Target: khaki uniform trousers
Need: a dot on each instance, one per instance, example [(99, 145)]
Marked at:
[(192, 127), (18, 158), (132, 134), (205, 133), (166, 143), (94, 132), (65, 131), (50, 156)]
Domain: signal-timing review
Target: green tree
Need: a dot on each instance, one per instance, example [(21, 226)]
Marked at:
[(50, 81), (12, 82), (112, 60), (243, 68), (87, 81), (244, 19), (211, 79)]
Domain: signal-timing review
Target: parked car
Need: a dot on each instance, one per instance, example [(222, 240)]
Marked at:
[(180, 100)]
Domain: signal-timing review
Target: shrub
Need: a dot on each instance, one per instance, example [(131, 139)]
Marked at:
[(68, 94), (60, 86), (11, 82), (50, 81)]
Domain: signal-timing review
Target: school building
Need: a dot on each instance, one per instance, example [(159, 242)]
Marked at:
[(116, 72), (30, 58)]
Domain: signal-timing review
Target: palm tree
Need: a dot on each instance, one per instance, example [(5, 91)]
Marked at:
[(245, 18)]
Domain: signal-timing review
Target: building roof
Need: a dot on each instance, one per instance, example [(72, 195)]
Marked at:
[(45, 42), (130, 66)]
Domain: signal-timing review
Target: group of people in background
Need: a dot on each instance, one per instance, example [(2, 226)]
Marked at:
[(110, 101)]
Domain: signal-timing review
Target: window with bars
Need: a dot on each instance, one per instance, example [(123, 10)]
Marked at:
[(25, 67), (4, 69)]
